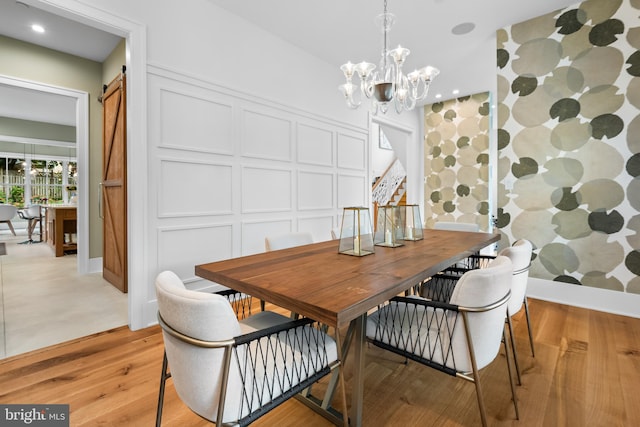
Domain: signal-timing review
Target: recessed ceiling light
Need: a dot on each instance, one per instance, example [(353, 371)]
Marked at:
[(37, 28), (464, 28), (455, 91), (438, 95)]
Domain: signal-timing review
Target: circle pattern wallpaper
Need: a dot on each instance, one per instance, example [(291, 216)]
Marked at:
[(456, 165), (569, 142)]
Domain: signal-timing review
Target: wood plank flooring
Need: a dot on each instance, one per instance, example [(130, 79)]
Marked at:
[(586, 373)]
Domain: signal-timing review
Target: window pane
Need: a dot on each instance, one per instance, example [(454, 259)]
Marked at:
[(15, 181)]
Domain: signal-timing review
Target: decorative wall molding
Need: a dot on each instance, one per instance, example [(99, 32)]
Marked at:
[(212, 127), (178, 249), (265, 135), (315, 190), (315, 145), (351, 152), (261, 169), (266, 189), (352, 190), (255, 231), (207, 191), (205, 82), (319, 226)]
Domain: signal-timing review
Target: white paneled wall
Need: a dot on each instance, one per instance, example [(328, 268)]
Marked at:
[(227, 170)]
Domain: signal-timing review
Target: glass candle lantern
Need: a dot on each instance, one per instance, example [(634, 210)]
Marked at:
[(356, 233), (389, 230), (412, 223)]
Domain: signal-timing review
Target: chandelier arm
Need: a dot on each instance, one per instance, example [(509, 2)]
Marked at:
[(420, 90), (398, 105)]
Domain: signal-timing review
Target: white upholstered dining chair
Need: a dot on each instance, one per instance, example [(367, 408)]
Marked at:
[(520, 255), (287, 240), (439, 287), (284, 241), (459, 337), (234, 371), (7, 213)]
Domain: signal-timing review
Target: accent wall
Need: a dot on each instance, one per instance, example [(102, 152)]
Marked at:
[(568, 148), (456, 161)]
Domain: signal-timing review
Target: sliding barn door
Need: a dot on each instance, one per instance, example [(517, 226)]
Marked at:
[(114, 183)]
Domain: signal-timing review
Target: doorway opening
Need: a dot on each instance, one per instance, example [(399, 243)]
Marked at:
[(395, 164), (135, 42)]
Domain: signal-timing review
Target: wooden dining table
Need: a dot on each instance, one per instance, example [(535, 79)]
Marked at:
[(339, 290)]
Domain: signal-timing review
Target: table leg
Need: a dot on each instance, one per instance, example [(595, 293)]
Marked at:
[(324, 407), (357, 390)]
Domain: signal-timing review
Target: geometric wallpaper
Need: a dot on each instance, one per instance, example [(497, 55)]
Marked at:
[(456, 163), (569, 142)]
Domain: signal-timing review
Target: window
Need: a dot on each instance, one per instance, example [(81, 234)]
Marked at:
[(50, 181)]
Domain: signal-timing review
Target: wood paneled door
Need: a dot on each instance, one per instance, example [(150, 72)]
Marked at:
[(114, 183)]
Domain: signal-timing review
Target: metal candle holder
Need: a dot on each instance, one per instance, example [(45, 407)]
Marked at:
[(356, 234)]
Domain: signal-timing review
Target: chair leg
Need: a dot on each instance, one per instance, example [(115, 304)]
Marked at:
[(163, 382), (513, 348), (511, 383), (526, 310), (11, 228), (474, 367), (31, 227)]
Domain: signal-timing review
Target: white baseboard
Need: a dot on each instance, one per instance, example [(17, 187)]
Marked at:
[(614, 302), (95, 265)]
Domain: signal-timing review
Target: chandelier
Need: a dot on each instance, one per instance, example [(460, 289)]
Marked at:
[(387, 83)]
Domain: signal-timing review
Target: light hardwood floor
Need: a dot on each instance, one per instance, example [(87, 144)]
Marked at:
[(44, 301), (586, 373)]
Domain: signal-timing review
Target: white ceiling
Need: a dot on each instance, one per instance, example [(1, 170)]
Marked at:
[(62, 35), (16, 18), (341, 30), (28, 104), (332, 30)]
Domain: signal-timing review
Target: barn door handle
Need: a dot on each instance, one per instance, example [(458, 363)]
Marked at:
[(100, 213)]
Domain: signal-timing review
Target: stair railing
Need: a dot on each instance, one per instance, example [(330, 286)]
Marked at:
[(385, 187)]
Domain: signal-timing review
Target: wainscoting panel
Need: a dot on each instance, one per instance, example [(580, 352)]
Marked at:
[(254, 233), (265, 136), (247, 168), (320, 227), (179, 251), (315, 145), (352, 191), (207, 127), (352, 152), (315, 190), (208, 192), (266, 190)]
